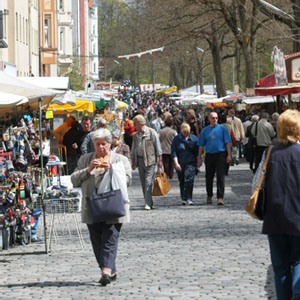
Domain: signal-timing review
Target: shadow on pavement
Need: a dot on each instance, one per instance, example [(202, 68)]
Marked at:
[(44, 284), (270, 285), (22, 253)]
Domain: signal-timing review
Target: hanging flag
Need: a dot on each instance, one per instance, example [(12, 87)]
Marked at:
[(141, 54)]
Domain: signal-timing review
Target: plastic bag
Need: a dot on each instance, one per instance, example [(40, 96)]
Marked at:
[(119, 181)]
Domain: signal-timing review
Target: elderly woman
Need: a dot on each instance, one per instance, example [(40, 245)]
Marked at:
[(282, 211), (184, 152), (104, 235)]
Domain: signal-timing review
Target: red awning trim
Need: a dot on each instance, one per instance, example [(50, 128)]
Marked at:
[(279, 90)]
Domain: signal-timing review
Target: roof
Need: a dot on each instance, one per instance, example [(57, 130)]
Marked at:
[(258, 99), (57, 83)]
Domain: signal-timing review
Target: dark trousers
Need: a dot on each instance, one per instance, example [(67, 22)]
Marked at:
[(104, 238), (249, 154), (186, 179), (168, 165), (215, 163), (128, 140), (258, 153), (72, 161), (285, 257)]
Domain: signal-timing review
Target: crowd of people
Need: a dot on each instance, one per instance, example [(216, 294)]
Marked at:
[(161, 135)]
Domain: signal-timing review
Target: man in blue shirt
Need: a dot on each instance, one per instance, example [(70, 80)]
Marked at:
[(216, 141)]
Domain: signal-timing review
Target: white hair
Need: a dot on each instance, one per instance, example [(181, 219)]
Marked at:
[(102, 133)]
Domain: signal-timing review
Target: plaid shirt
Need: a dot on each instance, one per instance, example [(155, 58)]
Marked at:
[(123, 149)]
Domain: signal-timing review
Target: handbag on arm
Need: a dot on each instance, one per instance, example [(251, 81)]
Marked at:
[(161, 185), (256, 204), (106, 206)]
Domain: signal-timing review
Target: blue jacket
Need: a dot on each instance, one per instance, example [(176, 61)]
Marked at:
[(282, 182), (185, 150)]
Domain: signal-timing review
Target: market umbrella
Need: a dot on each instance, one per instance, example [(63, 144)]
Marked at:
[(100, 104), (120, 104), (67, 97), (80, 105), (13, 85)]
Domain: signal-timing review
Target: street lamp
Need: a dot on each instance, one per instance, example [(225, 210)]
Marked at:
[(201, 50)]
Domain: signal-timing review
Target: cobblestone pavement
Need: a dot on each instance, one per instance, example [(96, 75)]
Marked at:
[(170, 253)]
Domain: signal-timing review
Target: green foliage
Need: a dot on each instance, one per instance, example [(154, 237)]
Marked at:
[(76, 78)]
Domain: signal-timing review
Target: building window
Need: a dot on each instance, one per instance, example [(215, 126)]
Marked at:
[(17, 27), (95, 67), (20, 28), (94, 29), (23, 30), (61, 4), (62, 39), (47, 32), (27, 32), (94, 48)]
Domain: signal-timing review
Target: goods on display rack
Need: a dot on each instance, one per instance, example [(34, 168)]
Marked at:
[(16, 185)]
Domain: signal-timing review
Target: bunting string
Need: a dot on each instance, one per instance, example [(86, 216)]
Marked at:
[(141, 54)]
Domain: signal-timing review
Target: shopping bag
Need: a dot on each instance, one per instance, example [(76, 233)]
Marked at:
[(161, 185), (256, 205), (106, 205)]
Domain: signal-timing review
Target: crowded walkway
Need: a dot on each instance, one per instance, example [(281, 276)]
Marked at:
[(172, 252)]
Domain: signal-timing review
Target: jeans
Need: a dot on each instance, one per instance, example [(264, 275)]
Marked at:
[(215, 163), (104, 238), (186, 181), (36, 212), (285, 257)]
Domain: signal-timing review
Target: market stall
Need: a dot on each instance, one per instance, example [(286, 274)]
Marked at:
[(21, 108)]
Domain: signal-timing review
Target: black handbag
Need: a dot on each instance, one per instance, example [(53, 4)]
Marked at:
[(106, 206)]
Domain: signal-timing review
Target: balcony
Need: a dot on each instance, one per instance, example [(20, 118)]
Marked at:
[(64, 18)]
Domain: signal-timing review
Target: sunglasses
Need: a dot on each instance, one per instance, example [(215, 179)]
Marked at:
[(214, 118)]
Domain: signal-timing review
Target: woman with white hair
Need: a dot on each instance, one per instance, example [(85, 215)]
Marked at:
[(104, 235)]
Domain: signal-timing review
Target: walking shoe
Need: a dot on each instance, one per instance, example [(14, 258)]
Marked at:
[(105, 279), (147, 207), (209, 200), (183, 202), (220, 201), (189, 202)]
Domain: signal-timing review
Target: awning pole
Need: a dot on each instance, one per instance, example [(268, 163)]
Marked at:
[(42, 174)]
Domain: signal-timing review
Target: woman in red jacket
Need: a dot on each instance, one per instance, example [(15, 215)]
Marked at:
[(129, 130)]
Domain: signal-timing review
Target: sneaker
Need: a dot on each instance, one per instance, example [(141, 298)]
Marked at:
[(183, 202), (189, 202), (220, 201), (147, 207), (209, 200)]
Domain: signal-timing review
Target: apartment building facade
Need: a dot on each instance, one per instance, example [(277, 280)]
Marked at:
[(48, 37)]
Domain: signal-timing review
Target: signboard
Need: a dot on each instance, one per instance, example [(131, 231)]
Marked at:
[(293, 67), (277, 58), (102, 86)]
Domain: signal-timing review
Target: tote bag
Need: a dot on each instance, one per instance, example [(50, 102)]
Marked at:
[(161, 185), (108, 205)]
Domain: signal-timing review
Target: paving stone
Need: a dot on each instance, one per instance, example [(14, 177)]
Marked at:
[(170, 253)]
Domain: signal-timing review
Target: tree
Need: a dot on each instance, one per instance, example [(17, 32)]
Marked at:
[(76, 78), (291, 19)]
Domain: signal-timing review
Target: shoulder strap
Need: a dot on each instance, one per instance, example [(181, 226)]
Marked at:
[(256, 125), (264, 168)]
